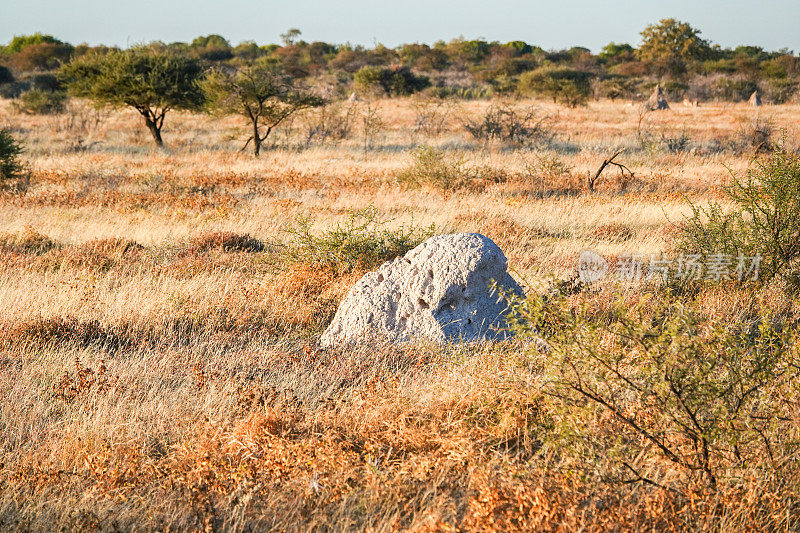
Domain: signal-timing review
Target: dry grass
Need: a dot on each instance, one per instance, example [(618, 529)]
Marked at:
[(158, 357)]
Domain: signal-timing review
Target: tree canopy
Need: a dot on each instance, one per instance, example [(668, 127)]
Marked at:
[(20, 42), (612, 52), (670, 44), (262, 92), (153, 81), (212, 47)]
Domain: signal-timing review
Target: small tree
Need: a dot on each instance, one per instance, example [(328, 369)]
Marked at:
[(290, 36), (153, 81), (669, 45), (371, 121), (10, 165), (212, 47), (262, 93), (614, 53)]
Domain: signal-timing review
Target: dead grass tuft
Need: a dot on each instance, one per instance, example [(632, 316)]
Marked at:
[(118, 248), (613, 232), (226, 241), (27, 241), (67, 331)]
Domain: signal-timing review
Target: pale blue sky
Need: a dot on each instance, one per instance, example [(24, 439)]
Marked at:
[(773, 24)]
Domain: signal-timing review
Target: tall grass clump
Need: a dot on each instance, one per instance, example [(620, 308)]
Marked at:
[(27, 241), (764, 219)]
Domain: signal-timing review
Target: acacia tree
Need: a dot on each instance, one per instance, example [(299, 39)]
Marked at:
[(151, 80), (262, 93), (669, 45)]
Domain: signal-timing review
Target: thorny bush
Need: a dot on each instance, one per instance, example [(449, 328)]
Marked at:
[(675, 388), (764, 220)]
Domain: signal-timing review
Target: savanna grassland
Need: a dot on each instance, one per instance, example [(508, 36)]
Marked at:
[(160, 310)]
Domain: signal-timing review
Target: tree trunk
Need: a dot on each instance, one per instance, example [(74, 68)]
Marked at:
[(155, 131), (256, 139)]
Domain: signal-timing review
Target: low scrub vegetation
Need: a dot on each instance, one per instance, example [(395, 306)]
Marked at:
[(506, 124), (226, 241), (40, 102), (391, 81), (658, 394), (764, 219), (362, 242), (434, 168)]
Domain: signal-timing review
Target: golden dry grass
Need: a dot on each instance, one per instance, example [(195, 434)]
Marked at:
[(158, 364)]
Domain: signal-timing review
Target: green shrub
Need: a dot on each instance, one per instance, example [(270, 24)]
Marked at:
[(733, 89), (675, 90), (44, 82), (393, 81), (551, 166), (36, 52), (40, 102), (503, 84), (430, 166), (764, 220), (14, 89), (212, 48), (723, 66), (780, 91), (5, 75), (565, 85), (10, 165), (362, 242), (20, 42), (617, 87), (464, 93), (400, 81), (655, 383), (772, 69), (368, 78)]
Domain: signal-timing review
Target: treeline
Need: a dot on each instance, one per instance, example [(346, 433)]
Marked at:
[(268, 83), (671, 52)]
